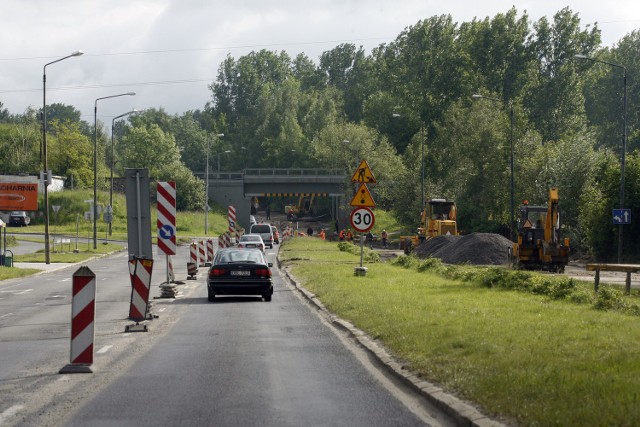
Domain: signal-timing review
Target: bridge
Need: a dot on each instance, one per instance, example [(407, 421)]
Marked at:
[(239, 188)]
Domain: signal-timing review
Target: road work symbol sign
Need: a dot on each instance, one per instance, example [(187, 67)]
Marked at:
[(363, 197), (622, 216), (363, 174)]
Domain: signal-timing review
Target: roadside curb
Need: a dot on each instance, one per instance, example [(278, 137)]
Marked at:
[(463, 413)]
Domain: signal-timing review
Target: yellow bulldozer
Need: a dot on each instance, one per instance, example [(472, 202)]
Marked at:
[(438, 219), (539, 245)]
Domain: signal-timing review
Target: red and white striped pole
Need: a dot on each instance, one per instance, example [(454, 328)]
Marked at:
[(202, 256), (193, 253), (231, 215), (83, 311), (209, 252), (140, 291)]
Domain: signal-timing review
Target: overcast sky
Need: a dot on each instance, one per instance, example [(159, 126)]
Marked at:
[(168, 51)]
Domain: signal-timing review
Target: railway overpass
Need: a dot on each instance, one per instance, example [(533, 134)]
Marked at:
[(240, 188)]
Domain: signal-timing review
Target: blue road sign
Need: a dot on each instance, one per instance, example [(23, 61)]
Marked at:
[(622, 216), (166, 231)]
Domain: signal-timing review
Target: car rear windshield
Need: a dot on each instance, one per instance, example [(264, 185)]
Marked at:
[(259, 228)]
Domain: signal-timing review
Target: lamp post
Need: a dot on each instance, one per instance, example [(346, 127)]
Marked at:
[(113, 123), (43, 153), (512, 225), (206, 186), (624, 139), (95, 164)]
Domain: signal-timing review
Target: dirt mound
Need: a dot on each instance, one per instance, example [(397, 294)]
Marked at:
[(475, 248)]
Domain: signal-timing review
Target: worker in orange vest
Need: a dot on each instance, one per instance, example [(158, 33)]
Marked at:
[(349, 235), (321, 234), (341, 235)]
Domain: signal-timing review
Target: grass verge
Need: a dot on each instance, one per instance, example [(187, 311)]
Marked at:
[(531, 358)]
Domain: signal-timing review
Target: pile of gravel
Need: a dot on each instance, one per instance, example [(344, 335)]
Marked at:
[(475, 248)]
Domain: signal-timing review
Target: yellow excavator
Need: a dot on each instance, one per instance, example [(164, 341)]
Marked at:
[(303, 207), (438, 219), (539, 245)]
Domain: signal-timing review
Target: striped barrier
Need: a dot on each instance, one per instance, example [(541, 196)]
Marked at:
[(202, 255), (141, 283), (193, 253), (82, 321), (210, 252)]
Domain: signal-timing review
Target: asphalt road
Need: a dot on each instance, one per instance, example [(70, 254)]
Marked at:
[(238, 361)]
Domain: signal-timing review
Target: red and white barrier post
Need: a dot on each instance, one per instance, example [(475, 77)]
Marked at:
[(192, 265), (231, 216), (202, 256), (166, 222), (209, 252), (82, 321), (139, 307)]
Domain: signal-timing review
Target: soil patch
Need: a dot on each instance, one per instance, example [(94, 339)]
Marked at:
[(475, 248)]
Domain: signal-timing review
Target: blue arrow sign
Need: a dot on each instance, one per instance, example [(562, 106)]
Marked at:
[(166, 231), (622, 216)]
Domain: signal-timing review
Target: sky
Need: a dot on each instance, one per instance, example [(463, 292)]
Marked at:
[(169, 51)]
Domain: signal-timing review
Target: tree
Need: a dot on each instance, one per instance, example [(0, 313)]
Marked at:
[(71, 154), (554, 99)]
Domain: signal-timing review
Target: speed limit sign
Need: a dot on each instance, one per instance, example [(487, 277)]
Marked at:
[(362, 219)]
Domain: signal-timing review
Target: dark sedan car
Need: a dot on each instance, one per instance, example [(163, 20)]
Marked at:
[(240, 272), (19, 219)]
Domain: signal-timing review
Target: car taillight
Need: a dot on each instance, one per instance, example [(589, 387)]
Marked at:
[(240, 245), (262, 272), (217, 272)]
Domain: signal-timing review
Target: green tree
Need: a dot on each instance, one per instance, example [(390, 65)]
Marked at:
[(71, 154), (554, 98)]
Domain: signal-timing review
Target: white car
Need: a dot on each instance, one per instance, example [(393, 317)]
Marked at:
[(251, 241)]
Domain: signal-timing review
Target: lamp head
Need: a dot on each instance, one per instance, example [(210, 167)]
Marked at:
[(476, 96), (77, 53), (580, 56)]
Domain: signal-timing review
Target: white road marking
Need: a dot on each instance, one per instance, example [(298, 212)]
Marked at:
[(10, 413), (18, 292), (68, 279), (162, 309), (104, 349), (6, 315)]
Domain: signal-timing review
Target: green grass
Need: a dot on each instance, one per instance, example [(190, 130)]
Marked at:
[(525, 356)]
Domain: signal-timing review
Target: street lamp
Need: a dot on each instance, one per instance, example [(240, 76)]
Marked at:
[(624, 140), (512, 225), (43, 152), (113, 124), (95, 164), (206, 186)]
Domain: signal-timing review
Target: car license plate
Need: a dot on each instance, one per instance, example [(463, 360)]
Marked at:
[(240, 273), (251, 245)]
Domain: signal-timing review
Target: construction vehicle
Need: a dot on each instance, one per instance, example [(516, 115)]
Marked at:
[(303, 207), (438, 219), (539, 246)]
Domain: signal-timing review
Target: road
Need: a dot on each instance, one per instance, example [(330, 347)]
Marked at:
[(239, 361)]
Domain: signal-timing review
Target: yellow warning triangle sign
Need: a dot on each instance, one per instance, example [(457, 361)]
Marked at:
[(363, 197), (363, 174)]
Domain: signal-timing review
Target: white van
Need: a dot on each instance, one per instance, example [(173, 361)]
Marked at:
[(264, 230)]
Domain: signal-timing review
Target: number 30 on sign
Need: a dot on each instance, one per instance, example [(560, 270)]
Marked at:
[(362, 219)]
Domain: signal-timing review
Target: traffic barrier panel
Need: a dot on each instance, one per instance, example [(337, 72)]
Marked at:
[(193, 253), (138, 309), (210, 252), (82, 321), (202, 256)]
